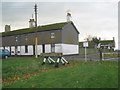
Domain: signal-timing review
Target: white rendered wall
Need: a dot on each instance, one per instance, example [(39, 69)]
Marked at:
[(12, 50), (47, 48), (22, 50), (18, 50), (30, 50), (69, 49), (1, 48), (66, 49), (58, 48), (39, 49)]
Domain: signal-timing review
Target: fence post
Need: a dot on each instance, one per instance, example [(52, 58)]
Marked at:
[(103, 56), (100, 51)]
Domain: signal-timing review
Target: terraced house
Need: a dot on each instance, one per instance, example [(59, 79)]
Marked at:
[(54, 38)]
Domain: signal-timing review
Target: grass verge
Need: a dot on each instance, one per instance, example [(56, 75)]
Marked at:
[(29, 73)]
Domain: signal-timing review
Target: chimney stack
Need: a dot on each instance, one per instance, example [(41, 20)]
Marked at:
[(99, 39), (113, 38), (69, 16), (31, 23), (7, 28)]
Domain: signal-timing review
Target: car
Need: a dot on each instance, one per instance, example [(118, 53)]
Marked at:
[(4, 53)]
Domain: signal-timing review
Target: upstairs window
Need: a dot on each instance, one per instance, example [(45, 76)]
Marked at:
[(52, 35), (16, 38)]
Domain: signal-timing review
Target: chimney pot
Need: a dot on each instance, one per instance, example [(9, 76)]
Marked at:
[(7, 28)]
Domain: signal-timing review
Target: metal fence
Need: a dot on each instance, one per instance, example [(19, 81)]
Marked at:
[(111, 56)]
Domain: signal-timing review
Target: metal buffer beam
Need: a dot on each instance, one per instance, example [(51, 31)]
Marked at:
[(63, 61), (50, 60), (60, 58)]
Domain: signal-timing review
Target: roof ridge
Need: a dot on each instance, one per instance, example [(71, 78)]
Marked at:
[(53, 26), (53, 23)]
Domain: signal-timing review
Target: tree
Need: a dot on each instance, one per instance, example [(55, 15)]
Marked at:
[(93, 40), (89, 38), (96, 40)]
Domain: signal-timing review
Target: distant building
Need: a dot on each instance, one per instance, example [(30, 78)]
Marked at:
[(90, 44), (52, 38), (104, 44), (107, 44)]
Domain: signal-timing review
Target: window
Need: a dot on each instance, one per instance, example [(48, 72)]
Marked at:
[(43, 48), (26, 49), (52, 35), (52, 48)]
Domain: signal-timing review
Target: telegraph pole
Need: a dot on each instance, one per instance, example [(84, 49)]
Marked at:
[(35, 15), (36, 39)]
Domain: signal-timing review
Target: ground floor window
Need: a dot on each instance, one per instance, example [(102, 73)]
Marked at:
[(26, 49), (52, 48)]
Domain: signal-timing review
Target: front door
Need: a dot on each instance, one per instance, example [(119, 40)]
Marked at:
[(33, 49), (43, 48)]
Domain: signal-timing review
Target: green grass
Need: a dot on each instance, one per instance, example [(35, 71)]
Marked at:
[(112, 55), (29, 73), (89, 51)]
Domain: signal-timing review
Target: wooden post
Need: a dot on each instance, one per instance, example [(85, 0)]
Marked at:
[(36, 48), (85, 54), (36, 39), (100, 51)]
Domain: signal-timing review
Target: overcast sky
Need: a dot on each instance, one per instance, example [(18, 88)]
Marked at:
[(91, 18)]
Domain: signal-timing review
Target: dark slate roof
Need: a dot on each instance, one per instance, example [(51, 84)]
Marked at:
[(55, 26), (108, 42), (104, 42)]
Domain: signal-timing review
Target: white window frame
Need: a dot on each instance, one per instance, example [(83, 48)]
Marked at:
[(52, 48), (52, 35), (16, 38)]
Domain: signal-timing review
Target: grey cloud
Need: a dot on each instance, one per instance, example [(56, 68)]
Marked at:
[(89, 18)]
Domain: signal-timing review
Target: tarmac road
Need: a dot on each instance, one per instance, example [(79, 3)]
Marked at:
[(94, 57)]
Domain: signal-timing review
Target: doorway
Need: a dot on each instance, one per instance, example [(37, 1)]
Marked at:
[(43, 48), (33, 49)]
